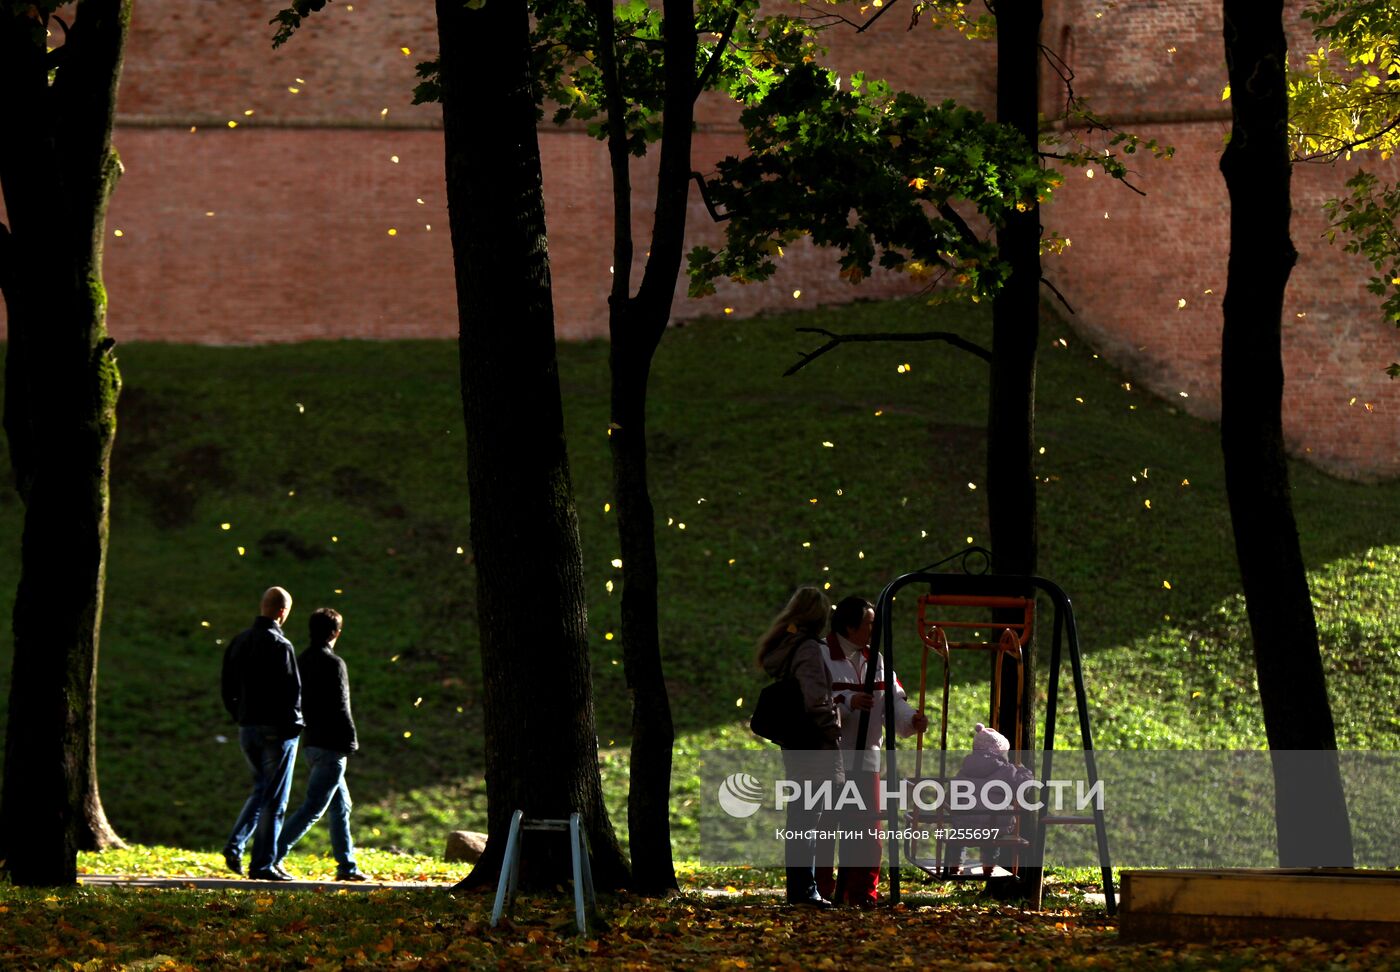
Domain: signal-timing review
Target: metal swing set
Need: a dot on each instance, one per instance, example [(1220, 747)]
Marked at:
[(1008, 604)]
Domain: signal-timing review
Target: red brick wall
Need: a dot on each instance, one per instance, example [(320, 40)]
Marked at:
[(304, 192), (1133, 258)]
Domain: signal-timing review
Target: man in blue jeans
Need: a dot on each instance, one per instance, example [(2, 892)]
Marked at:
[(262, 692), (328, 741)]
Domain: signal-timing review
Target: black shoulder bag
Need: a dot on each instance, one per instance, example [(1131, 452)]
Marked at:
[(780, 715)]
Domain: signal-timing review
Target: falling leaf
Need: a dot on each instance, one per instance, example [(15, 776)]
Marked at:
[(460, 551), (812, 500), (1167, 584), (1147, 504), (418, 701), (204, 624), (829, 445), (971, 485), (680, 526), (406, 51), (335, 539), (117, 232), (407, 734), (609, 586), (1183, 394), (796, 294), (806, 543), (393, 231), (860, 554), (608, 636), (879, 412), (739, 702), (1089, 173), (301, 409), (241, 551), (617, 562), (729, 310), (969, 539), (232, 123), (1186, 482), (293, 89), (248, 112), (731, 561), (225, 526), (383, 112), (1042, 450)]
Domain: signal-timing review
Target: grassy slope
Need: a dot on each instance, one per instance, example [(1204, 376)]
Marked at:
[(340, 468)]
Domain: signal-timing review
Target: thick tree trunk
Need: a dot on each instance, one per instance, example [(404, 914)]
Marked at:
[(636, 325), (541, 744), (58, 169), (1011, 501), (1310, 806)]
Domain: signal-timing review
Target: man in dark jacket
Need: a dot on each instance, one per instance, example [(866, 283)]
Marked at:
[(329, 740), (262, 693)]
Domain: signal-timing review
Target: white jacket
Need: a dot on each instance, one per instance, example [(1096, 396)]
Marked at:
[(845, 662)]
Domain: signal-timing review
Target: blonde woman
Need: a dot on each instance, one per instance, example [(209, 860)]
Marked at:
[(793, 647)]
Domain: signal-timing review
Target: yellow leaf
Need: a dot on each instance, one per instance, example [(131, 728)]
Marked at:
[(1225, 94)]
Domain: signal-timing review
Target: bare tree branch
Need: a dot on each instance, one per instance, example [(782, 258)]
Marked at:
[(869, 23), (1056, 291), (957, 340)]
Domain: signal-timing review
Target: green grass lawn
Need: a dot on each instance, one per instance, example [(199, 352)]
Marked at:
[(338, 470)]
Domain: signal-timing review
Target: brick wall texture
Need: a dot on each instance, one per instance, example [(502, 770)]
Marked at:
[(321, 212)]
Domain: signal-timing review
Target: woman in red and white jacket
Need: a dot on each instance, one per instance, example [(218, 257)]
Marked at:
[(847, 657)]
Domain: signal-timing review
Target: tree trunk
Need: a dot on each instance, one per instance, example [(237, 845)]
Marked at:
[(1011, 502), (58, 168), (541, 743), (1310, 807), (636, 325)]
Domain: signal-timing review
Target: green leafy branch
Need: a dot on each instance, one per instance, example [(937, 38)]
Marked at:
[(1369, 216), (877, 175)]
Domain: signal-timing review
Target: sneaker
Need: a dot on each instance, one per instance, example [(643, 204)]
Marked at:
[(286, 874), (351, 876), (233, 860), (270, 874)]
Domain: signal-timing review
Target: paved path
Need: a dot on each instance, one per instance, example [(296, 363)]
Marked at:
[(245, 884)]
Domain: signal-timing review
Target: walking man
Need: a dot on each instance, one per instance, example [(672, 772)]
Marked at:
[(262, 692), (328, 741)]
